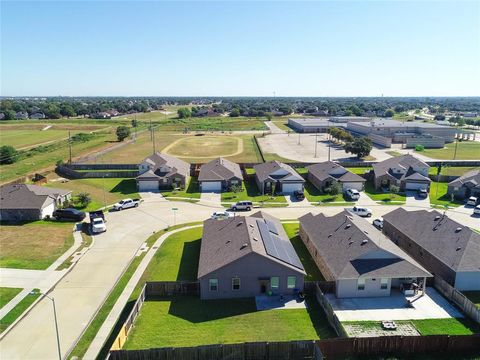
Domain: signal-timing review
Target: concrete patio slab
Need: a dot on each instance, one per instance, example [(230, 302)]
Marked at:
[(279, 303), (354, 330)]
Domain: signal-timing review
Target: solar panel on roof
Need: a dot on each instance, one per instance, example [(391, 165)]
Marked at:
[(271, 226), (277, 247)]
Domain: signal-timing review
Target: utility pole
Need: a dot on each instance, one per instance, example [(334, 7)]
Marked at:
[(298, 138), (151, 136), (70, 146), (329, 147), (456, 144), (316, 142), (56, 325), (153, 140)]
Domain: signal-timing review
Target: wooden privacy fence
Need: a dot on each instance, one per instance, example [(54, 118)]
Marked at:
[(342, 348), (331, 317), (170, 288), (452, 294), (292, 350), (86, 172)]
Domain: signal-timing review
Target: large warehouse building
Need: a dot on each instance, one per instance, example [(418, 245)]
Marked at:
[(321, 125)]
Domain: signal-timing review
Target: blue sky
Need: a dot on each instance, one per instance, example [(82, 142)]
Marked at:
[(250, 48)]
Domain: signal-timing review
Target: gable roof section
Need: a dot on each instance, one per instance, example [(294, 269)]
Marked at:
[(471, 179), (263, 172), (406, 162), (218, 170), (438, 234), (157, 160), (323, 171), (23, 196), (226, 241), (352, 248)]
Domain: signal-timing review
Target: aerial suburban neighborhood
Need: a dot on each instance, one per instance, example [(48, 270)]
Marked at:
[(236, 180)]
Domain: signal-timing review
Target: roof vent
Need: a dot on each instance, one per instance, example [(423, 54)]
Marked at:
[(255, 239), (228, 242), (351, 242), (251, 225), (240, 223), (365, 231), (329, 235), (364, 241), (458, 229), (458, 248), (348, 225), (244, 246), (437, 218)]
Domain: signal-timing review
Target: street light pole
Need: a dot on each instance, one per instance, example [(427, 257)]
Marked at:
[(316, 142), (56, 325)]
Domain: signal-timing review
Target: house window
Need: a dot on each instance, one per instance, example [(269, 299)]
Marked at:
[(291, 282), (383, 283), (234, 182), (274, 282), (361, 284), (213, 284), (236, 283)]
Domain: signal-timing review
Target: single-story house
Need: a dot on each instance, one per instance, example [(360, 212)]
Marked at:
[(445, 247), (247, 256), (277, 177), (219, 175), (162, 171), (361, 261), (406, 171), (324, 174), (22, 202), (466, 185)]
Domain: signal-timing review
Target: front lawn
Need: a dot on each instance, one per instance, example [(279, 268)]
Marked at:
[(7, 294), (316, 196), (313, 273), (250, 192), (466, 150), (191, 191), (189, 321), (34, 245), (383, 197), (473, 296), (439, 196)]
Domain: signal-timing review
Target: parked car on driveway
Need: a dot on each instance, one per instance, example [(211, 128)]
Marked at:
[(361, 211), (299, 195), (476, 211), (126, 204), (69, 214), (97, 222), (242, 205), (220, 215), (378, 223), (353, 194), (472, 201), (422, 193)]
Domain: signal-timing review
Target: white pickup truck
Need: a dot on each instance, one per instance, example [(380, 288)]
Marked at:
[(126, 204)]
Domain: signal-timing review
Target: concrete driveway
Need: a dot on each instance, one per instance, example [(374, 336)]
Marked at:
[(211, 198), (412, 199)]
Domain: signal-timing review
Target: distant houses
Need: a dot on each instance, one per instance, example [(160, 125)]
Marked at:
[(466, 185), (323, 175), (219, 175), (247, 256), (277, 177), (162, 171)]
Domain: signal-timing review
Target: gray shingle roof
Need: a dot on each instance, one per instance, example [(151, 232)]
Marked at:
[(471, 177), (24, 196), (352, 248), (263, 172), (158, 160), (225, 241), (437, 234), (324, 170), (220, 169), (406, 162)]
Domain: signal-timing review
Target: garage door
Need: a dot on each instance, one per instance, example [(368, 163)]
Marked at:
[(151, 185), (352, 185), (290, 188), (415, 186), (211, 186)]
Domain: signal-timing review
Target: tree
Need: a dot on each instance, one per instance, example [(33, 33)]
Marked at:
[(67, 110), (235, 189), (184, 113), (334, 189), (389, 113), (268, 116), (123, 132), (360, 146), (394, 189), (52, 112), (8, 154), (9, 114), (235, 112), (84, 199)]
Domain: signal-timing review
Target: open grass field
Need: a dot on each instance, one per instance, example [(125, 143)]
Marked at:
[(7, 294), (466, 150), (205, 147), (34, 245), (115, 190), (189, 321), (452, 171), (439, 197), (18, 310)]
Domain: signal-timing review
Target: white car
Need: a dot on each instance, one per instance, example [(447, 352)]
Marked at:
[(353, 194), (126, 204), (98, 225), (378, 223), (220, 215), (472, 201), (361, 211), (476, 211)]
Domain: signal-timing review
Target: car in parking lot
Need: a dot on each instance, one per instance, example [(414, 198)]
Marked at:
[(352, 194), (422, 193), (69, 214), (472, 201), (220, 215), (242, 205), (361, 211), (299, 195), (378, 223)]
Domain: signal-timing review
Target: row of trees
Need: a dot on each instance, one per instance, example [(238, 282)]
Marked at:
[(359, 146)]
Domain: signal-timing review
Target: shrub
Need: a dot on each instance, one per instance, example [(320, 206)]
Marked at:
[(84, 199), (419, 148), (8, 154), (123, 132), (333, 189)]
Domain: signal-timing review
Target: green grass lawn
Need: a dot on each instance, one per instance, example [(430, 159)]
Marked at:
[(473, 296), (452, 171), (18, 310), (393, 153), (383, 198), (313, 273), (7, 294), (439, 197), (360, 170), (250, 192), (314, 195), (189, 321), (191, 191), (466, 150)]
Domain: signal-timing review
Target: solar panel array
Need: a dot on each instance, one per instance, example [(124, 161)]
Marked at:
[(271, 226), (277, 247)]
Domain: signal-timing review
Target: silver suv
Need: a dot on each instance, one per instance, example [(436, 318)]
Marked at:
[(242, 205)]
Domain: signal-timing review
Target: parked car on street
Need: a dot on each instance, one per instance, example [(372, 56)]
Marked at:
[(126, 204), (97, 222), (361, 211), (353, 194), (299, 195), (476, 211), (242, 205), (378, 223), (69, 214), (220, 215), (472, 201), (422, 193)]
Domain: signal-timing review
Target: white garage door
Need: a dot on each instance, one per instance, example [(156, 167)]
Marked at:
[(290, 188), (415, 186), (352, 185), (211, 186), (150, 185), (48, 210)]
